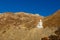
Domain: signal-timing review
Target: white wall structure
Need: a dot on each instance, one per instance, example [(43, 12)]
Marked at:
[(40, 24)]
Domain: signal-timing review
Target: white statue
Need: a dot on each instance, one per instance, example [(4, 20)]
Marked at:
[(40, 24)]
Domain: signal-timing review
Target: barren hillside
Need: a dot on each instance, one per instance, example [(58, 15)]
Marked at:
[(53, 20), (23, 26)]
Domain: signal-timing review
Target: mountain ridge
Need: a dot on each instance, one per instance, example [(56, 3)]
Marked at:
[(23, 26), (53, 19)]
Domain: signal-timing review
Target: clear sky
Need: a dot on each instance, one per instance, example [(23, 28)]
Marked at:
[(42, 7)]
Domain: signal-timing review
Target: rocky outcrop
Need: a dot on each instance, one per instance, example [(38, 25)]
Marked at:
[(23, 26), (52, 20), (19, 19)]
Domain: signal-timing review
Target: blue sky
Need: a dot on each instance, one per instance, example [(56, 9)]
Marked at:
[(42, 7)]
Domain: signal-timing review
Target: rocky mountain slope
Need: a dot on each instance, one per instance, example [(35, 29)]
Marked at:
[(19, 19), (53, 20), (23, 26)]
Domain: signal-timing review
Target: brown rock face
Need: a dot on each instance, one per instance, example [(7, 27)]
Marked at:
[(22, 26), (53, 20), (18, 19)]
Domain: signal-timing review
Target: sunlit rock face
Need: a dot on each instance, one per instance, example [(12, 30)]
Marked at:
[(16, 26), (27, 26), (52, 20), (19, 19)]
